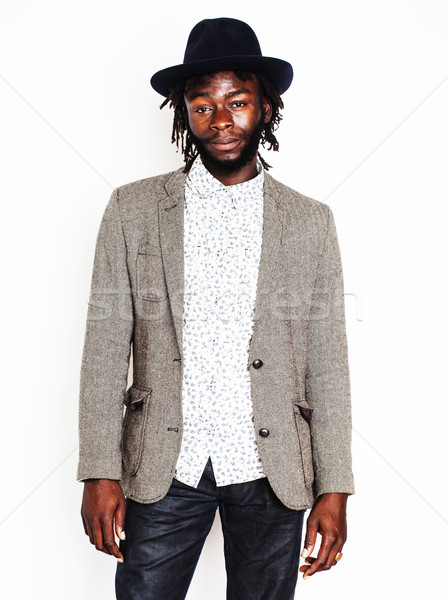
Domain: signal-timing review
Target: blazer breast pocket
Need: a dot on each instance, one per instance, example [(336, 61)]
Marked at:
[(136, 400), (151, 284)]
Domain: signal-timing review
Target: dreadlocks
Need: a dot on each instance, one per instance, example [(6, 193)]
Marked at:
[(181, 135)]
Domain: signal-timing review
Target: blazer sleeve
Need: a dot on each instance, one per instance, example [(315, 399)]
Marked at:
[(327, 374), (106, 352)]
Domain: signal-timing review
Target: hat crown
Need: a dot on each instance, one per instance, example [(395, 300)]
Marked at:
[(214, 38), (223, 44)]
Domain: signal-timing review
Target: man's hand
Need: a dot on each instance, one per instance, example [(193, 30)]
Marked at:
[(103, 503), (327, 517)]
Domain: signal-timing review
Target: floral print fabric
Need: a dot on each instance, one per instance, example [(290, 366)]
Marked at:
[(222, 245)]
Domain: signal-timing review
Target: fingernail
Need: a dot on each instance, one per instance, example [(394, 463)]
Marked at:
[(122, 535), (305, 553), (306, 577), (120, 560)]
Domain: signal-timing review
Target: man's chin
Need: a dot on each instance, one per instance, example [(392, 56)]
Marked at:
[(225, 165), (231, 162)]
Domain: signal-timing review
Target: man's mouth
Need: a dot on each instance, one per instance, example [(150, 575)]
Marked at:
[(225, 144)]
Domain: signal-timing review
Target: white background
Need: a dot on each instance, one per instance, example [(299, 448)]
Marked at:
[(365, 130)]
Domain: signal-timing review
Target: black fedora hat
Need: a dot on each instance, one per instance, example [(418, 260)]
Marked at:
[(223, 45)]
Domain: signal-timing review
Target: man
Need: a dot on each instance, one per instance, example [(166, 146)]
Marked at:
[(228, 287)]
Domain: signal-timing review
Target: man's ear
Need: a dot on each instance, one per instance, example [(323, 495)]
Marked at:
[(267, 110)]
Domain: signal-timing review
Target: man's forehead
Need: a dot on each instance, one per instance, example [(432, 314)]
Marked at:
[(214, 77)]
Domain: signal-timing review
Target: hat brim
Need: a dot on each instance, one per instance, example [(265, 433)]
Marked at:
[(277, 70)]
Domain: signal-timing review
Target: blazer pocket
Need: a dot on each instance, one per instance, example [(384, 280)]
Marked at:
[(136, 400), (151, 284), (302, 417)]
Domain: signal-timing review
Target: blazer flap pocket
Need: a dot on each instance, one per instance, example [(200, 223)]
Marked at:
[(305, 411), (135, 397), (147, 248)]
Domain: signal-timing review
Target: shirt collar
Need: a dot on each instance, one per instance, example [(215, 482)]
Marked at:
[(202, 181)]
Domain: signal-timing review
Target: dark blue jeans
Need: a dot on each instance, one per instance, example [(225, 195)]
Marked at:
[(262, 541)]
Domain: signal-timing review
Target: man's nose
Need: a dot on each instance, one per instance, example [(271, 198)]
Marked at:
[(221, 119)]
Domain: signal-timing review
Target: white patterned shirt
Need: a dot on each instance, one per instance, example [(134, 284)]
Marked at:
[(222, 245)]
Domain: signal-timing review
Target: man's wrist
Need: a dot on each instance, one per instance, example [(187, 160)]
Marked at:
[(335, 496)]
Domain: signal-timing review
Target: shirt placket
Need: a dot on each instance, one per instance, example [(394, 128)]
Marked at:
[(219, 359)]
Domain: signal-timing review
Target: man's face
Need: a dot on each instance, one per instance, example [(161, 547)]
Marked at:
[(226, 118)]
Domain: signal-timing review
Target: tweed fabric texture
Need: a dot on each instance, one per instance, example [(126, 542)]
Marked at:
[(300, 394)]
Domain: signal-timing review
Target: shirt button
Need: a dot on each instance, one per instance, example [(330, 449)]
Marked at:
[(264, 432), (257, 363)]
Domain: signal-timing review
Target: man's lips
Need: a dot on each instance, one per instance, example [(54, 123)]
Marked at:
[(225, 144)]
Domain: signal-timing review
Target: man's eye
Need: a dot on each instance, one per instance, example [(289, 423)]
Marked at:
[(202, 109), (238, 104)]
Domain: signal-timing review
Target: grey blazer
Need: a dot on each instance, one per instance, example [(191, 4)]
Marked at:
[(301, 391)]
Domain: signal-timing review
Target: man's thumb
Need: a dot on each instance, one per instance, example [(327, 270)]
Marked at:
[(120, 520), (310, 539)]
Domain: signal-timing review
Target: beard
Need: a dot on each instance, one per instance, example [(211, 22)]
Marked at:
[(247, 153)]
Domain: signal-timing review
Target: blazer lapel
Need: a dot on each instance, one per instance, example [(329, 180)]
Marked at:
[(171, 229), (269, 268)]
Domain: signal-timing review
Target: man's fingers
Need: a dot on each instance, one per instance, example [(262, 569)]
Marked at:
[(88, 531), (331, 560), (109, 538), (320, 563), (309, 561), (98, 541), (323, 560), (310, 538)]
